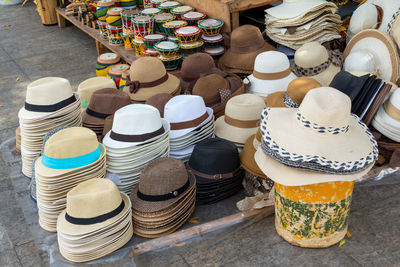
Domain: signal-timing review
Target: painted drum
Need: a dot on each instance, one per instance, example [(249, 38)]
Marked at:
[(127, 17), (151, 39), (167, 6), (166, 48), (113, 16), (193, 17), (150, 52), (215, 52), (211, 26), (102, 7), (115, 72), (171, 26), (171, 62), (212, 41), (180, 10), (191, 48), (188, 34), (152, 11), (105, 62), (162, 18), (122, 82), (143, 25), (156, 3)]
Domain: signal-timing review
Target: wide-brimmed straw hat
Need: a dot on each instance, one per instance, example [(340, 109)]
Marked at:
[(271, 74), (315, 61), (241, 119), (148, 77), (246, 43), (321, 135), (296, 91), (290, 9), (91, 85)]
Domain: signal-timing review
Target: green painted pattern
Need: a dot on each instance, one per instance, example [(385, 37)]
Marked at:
[(305, 221)]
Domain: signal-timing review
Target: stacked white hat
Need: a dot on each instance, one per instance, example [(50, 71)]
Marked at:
[(191, 122), (50, 103), (138, 135), (70, 156), (296, 22)]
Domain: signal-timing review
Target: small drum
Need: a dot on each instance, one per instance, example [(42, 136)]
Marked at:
[(180, 10), (102, 7), (115, 35), (151, 39), (143, 25), (152, 11), (127, 17), (211, 26), (193, 17), (122, 82), (129, 42), (171, 62), (150, 52), (170, 27), (113, 16), (173, 39), (215, 52), (127, 4), (156, 3), (167, 6), (103, 29), (147, 4), (162, 18), (105, 62), (166, 48), (191, 48), (212, 41), (139, 3), (115, 72), (139, 47), (188, 34)]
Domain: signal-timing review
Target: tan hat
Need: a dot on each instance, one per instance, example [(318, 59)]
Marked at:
[(89, 86), (246, 43), (247, 156), (296, 91), (148, 77)]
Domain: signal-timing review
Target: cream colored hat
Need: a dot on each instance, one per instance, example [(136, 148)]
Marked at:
[(313, 60), (89, 86), (295, 8), (241, 119)]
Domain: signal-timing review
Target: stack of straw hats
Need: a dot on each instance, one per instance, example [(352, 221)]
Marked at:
[(164, 198), (70, 156), (138, 135), (50, 103), (18, 139), (97, 221), (296, 22), (216, 165), (191, 122), (103, 103), (91, 85)]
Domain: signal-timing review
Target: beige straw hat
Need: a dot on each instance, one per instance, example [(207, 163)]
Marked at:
[(89, 86)]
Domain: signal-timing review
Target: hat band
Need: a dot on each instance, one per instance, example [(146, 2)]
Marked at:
[(50, 108), (214, 176), (288, 101), (321, 129), (97, 114), (135, 138), (393, 19), (97, 219), (392, 111), (189, 124), (335, 58), (380, 13), (271, 76), (241, 124), (71, 163), (170, 195), (134, 86), (249, 48)]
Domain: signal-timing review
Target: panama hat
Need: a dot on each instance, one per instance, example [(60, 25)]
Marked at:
[(295, 8), (271, 74), (148, 77), (315, 61), (89, 86), (376, 52), (246, 43), (296, 91), (241, 119)]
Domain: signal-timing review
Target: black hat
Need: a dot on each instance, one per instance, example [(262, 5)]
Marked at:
[(349, 84)]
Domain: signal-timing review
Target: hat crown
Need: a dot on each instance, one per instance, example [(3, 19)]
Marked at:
[(88, 86), (271, 62), (195, 65), (48, 91), (71, 142), (311, 55), (246, 35), (158, 101), (326, 107), (207, 87), (147, 69), (184, 108), (364, 17), (360, 61), (162, 176), (299, 87), (108, 100), (93, 198), (136, 119), (245, 107)]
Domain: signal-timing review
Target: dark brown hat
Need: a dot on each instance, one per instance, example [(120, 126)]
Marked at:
[(158, 101), (108, 122)]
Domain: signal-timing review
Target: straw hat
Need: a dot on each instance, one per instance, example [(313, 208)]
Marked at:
[(294, 8), (247, 155), (89, 86), (246, 43), (158, 101), (377, 52), (313, 60), (148, 77), (241, 119), (296, 91), (271, 74)]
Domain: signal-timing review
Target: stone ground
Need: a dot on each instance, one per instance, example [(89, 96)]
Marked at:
[(28, 51)]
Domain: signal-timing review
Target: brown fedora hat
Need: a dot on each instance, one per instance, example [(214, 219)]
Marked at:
[(158, 101), (296, 91), (246, 43), (108, 124), (102, 104)]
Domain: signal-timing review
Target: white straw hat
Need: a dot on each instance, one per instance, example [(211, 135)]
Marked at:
[(294, 8)]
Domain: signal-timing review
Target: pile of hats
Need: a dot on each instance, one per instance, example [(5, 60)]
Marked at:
[(216, 165), (294, 23), (241, 119), (50, 103), (103, 103), (18, 139), (91, 85), (97, 221), (164, 199), (191, 122), (138, 135), (70, 156)]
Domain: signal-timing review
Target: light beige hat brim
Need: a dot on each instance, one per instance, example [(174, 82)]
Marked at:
[(295, 9), (325, 78), (232, 133)]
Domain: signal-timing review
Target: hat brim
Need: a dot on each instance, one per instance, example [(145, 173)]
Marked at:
[(275, 100), (293, 9), (247, 158), (325, 78), (90, 120), (386, 125), (232, 133), (179, 133), (265, 87)]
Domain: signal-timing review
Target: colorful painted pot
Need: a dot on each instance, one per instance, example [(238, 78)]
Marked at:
[(105, 62)]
